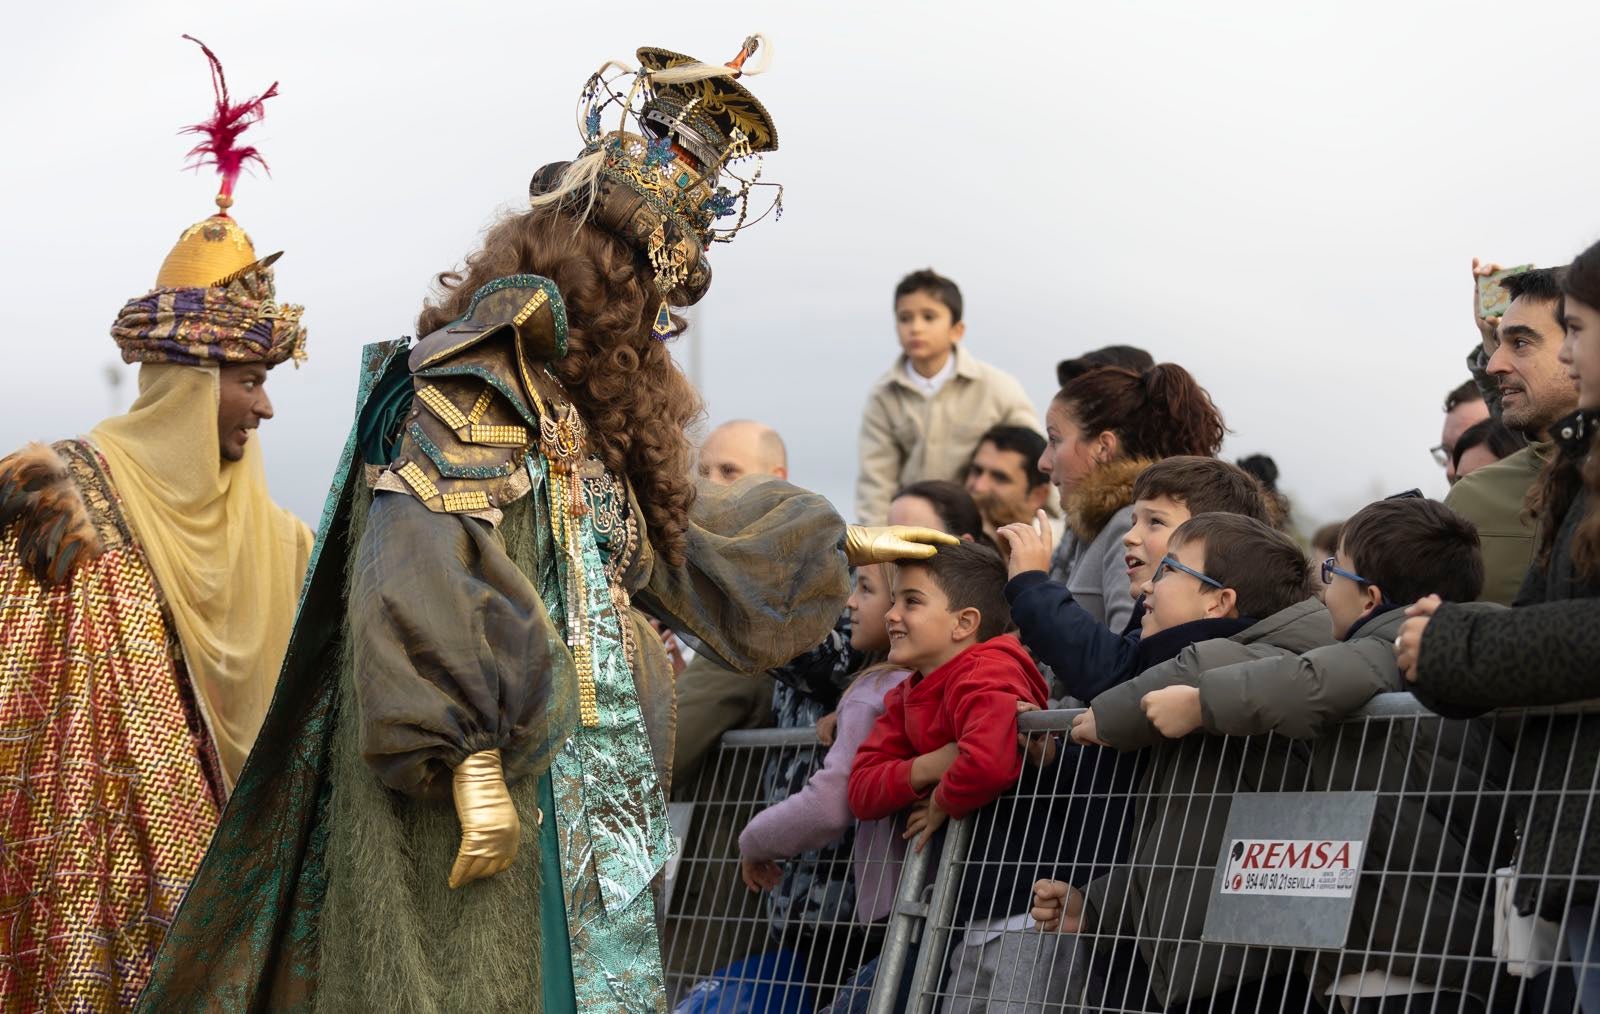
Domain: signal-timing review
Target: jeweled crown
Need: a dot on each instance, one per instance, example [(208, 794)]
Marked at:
[(672, 168)]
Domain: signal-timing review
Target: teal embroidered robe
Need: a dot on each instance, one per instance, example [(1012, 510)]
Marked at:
[(325, 887)]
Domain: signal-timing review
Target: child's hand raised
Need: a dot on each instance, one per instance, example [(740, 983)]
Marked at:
[(1173, 710), (760, 874), (1084, 730), (1057, 906), (1027, 546), (926, 818)]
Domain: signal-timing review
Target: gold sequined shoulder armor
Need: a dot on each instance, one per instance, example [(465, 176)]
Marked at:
[(477, 384)]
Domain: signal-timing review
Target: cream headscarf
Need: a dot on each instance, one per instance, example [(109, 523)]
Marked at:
[(228, 560)]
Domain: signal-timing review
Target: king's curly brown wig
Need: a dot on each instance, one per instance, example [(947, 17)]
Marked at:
[(634, 398)]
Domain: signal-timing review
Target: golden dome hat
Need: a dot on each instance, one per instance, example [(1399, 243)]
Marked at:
[(215, 250)]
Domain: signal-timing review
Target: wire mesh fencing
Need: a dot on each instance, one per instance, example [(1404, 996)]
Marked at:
[(808, 938), (1401, 861)]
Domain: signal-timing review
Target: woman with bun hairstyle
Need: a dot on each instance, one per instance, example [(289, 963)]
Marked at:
[(1102, 429)]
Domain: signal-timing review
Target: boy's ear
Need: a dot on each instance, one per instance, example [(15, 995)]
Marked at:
[(958, 330), (967, 622), (1372, 596), (1227, 605)]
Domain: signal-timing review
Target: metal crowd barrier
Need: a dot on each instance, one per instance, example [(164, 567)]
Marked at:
[(1401, 862)]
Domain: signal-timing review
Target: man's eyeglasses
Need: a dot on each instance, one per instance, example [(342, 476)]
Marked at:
[(1441, 455), (1169, 564), (1330, 567)]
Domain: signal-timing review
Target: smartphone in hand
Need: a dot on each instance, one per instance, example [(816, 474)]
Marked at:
[(1493, 299)]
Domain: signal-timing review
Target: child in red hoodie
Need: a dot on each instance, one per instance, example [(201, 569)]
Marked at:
[(946, 743)]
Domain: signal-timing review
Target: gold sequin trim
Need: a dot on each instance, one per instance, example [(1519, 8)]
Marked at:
[(588, 707), (419, 482), (480, 406), (442, 407), (528, 309), (470, 500), (500, 436)]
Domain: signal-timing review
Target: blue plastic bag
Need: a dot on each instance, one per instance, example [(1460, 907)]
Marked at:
[(770, 983)]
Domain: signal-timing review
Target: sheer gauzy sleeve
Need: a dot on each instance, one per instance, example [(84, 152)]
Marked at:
[(453, 649), (764, 577)]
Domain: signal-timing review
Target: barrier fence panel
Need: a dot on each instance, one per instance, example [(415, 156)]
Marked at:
[(1398, 861), (1357, 871), (805, 945)]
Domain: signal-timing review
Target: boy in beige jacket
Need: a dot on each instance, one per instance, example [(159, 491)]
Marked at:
[(925, 416)]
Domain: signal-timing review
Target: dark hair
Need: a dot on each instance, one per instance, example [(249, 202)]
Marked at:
[(1413, 547), (971, 577), (1018, 440), (1542, 285), (1155, 414), (1568, 473), (1464, 394), (1126, 356), (635, 400), (952, 503), (934, 284), (1491, 433), (1267, 571), (1266, 471), (1205, 486), (1263, 468), (1327, 537)]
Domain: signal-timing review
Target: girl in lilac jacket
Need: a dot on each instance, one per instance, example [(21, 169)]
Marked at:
[(819, 814)]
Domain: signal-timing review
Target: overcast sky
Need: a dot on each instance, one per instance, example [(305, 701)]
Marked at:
[(1284, 198)]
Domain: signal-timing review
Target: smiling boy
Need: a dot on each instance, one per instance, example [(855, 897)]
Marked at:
[(946, 743), (926, 414), (1086, 656)]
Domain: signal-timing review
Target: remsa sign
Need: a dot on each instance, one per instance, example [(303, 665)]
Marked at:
[(1301, 867), (1288, 868)]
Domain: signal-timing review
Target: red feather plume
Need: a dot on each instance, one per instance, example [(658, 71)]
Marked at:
[(222, 131)]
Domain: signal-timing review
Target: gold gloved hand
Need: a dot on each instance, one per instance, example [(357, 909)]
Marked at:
[(864, 545), (490, 830)]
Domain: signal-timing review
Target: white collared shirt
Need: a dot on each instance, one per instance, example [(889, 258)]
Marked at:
[(929, 386)]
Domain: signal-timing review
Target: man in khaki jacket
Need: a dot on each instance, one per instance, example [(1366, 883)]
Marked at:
[(925, 416), (1534, 391)]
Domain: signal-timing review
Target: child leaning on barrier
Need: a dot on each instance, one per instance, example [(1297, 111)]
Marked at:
[(1432, 850), (1228, 589), (1086, 656), (946, 743)]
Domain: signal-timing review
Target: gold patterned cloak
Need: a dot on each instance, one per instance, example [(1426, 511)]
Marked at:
[(110, 785)]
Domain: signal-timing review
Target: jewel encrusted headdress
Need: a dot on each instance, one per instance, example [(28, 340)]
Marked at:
[(214, 300), (672, 169)]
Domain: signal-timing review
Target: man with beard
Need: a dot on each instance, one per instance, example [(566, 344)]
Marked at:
[(1534, 391), (1004, 478)]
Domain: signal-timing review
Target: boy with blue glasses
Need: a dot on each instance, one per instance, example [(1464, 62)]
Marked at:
[(1228, 588), (1419, 905)]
